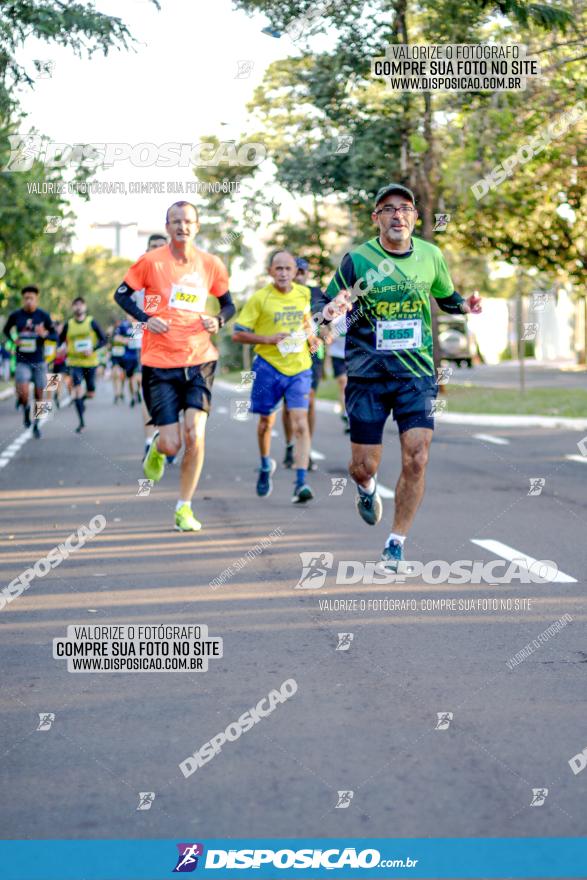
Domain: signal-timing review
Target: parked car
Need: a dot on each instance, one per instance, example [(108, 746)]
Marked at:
[(456, 341)]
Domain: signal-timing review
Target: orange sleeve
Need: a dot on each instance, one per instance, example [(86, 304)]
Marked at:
[(137, 276), (219, 277)]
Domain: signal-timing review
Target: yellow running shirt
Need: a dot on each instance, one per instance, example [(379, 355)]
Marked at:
[(269, 311)]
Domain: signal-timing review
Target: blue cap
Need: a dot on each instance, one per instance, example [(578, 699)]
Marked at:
[(302, 264)]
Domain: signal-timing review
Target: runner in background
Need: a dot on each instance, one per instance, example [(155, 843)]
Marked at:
[(28, 327), (83, 336), (156, 240), (302, 273), (117, 354), (60, 368)]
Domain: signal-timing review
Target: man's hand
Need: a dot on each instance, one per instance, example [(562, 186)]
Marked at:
[(275, 340), (41, 331), (340, 305), (157, 325), (326, 334), (472, 304), (314, 343), (211, 324)]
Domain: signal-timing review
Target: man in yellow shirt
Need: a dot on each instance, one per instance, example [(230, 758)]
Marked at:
[(83, 337), (276, 320)]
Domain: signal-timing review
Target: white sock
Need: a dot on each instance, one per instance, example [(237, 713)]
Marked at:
[(369, 488), (399, 538), (180, 503)]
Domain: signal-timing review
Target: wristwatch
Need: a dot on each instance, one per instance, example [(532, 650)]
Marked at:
[(221, 321)]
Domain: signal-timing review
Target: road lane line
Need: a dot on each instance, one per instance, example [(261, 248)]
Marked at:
[(385, 492), (582, 458), (489, 438), (507, 552)]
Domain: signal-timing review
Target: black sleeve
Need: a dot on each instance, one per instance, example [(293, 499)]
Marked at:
[(63, 334), (99, 333), (10, 323), (50, 326), (451, 304), (123, 296), (227, 308)]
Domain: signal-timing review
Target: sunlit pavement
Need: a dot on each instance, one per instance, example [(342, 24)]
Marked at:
[(365, 717)]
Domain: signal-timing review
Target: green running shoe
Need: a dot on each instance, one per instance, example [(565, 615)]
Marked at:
[(154, 463), (185, 521)]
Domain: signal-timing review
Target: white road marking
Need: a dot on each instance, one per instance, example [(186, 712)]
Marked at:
[(318, 456), (489, 438), (6, 455), (385, 492), (507, 552), (582, 458), (221, 410)]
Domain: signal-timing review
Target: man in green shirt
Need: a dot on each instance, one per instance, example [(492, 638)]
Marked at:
[(386, 284)]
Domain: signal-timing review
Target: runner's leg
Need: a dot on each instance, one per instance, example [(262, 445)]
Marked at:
[(415, 445), (194, 432)]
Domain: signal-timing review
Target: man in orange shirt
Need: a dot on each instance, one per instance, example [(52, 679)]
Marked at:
[(177, 356)]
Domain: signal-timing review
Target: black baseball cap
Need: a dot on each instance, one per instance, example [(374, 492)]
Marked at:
[(394, 188)]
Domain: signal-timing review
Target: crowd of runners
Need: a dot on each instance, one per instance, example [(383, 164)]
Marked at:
[(374, 320)]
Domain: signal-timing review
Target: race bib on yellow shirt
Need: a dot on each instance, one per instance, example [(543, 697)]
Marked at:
[(188, 297), (399, 335), (83, 346), (293, 344), (118, 351)]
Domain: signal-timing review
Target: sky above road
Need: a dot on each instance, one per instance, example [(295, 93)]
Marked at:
[(181, 83)]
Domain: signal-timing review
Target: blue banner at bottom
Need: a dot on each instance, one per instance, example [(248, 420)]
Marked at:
[(383, 859)]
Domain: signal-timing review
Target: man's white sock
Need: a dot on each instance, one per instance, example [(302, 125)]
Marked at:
[(180, 503), (369, 488), (399, 538)]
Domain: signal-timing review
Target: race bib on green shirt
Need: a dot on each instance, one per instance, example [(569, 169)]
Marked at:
[(399, 335)]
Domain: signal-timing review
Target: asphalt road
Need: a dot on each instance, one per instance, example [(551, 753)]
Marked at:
[(362, 720)]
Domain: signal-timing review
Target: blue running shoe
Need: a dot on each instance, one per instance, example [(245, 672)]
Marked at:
[(264, 482), (369, 507), (392, 555)]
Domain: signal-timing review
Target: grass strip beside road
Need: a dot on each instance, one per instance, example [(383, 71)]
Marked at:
[(564, 402)]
